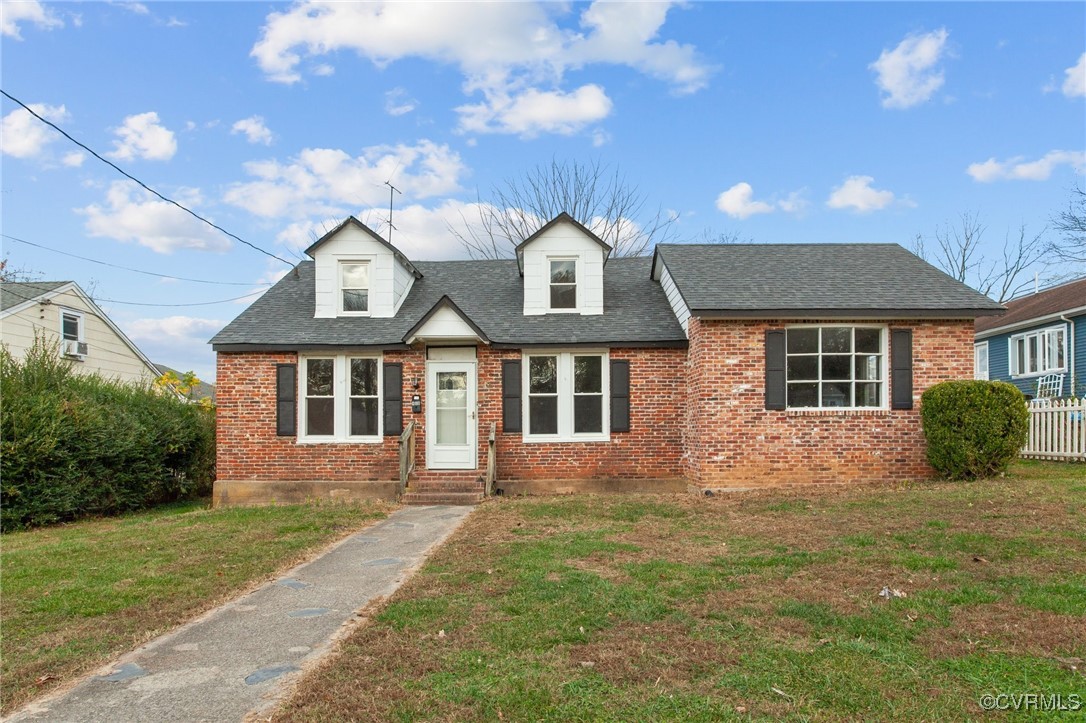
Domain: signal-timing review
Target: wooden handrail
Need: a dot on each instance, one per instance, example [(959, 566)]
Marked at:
[(407, 454), (491, 459)]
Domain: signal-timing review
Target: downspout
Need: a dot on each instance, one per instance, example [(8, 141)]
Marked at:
[(1071, 353)]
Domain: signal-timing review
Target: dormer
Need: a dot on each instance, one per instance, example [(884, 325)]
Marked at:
[(562, 266), (358, 273)]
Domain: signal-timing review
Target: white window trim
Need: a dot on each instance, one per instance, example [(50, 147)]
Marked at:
[(340, 263), (977, 372), (81, 327), (1042, 343), (565, 396), (342, 404), (884, 372), (578, 272)]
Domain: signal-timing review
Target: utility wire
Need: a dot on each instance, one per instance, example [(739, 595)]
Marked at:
[(7, 289), (143, 185), (126, 268)]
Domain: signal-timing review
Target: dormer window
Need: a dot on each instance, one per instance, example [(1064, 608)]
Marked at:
[(563, 283), (354, 285)]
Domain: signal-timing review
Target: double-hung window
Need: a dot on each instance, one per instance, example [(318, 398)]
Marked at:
[(354, 287), (980, 360), (1039, 352), (567, 393), (563, 283), (340, 399), (836, 366)]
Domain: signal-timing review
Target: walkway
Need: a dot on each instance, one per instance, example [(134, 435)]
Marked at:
[(238, 658)]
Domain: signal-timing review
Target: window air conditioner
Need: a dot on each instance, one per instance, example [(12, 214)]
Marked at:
[(74, 348)]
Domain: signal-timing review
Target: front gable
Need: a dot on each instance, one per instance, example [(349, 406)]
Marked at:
[(562, 267)]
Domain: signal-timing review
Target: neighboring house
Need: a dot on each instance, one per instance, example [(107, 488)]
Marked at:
[(62, 312), (1042, 337), (198, 393), (708, 366)]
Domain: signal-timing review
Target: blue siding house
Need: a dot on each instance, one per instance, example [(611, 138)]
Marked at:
[(1042, 336)]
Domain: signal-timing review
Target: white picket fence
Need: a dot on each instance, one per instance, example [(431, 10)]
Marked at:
[(1057, 429)]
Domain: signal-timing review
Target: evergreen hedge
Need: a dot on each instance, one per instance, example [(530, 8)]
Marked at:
[(75, 445), (975, 429)]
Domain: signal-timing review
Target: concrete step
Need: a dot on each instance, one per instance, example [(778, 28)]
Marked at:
[(441, 498), (444, 486), (445, 476)]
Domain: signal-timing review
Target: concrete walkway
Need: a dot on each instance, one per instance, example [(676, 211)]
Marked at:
[(238, 658)]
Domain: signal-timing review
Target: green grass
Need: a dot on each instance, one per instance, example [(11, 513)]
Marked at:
[(760, 606), (76, 595)]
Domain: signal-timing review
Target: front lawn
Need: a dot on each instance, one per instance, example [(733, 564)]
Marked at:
[(76, 595), (761, 605)]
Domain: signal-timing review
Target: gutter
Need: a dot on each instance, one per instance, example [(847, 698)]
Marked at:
[(1071, 353)]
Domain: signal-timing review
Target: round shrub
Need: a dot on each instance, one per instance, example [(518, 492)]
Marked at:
[(975, 429)]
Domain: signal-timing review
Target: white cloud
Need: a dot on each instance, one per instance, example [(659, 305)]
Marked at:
[(738, 202), (908, 74), (24, 136), (74, 159), (254, 129), (30, 11), (1074, 85), (324, 70), (131, 214), (1018, 169), (857, 195), (179, 342), (330, 182), (794, 202), (173, 22), (300, 235), (600, 137), (533, 111), (398, 102), (133, 7), (515, 54), (142, 136)]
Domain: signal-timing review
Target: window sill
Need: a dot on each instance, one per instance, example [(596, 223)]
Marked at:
[(564, 440), (339, 440), (1034, 375), (837, 412)]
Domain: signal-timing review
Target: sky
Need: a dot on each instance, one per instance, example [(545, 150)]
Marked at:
[(774, 122)]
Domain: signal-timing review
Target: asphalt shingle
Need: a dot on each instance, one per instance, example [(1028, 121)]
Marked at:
[(13, 293)]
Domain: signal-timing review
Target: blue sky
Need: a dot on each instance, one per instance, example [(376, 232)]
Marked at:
[(782, 122)]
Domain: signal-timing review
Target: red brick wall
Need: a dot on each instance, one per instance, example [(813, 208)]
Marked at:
[(733, 441)]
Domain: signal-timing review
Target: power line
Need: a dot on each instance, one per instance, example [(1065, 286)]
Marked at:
[(143, 185), (7, 289), (126, 268)]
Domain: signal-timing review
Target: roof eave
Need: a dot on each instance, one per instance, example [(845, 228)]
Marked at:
[(867, 314), (351, 220)]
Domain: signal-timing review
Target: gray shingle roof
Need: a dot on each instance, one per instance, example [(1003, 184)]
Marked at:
[(750, 279), (490, 293), (13, 293)]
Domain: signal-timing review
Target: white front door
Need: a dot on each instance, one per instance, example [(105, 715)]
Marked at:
[(451, 423)]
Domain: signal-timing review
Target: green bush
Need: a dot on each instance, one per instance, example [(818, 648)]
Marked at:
[(75, 445), (975, 429)]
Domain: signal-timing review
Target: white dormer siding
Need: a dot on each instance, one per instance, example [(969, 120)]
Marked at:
[(563, 241), (678, 305), (389, 281)]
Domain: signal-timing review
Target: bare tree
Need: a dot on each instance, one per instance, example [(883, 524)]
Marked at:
[(13, 273), (1071, 223), (958, 250), (592, 193)]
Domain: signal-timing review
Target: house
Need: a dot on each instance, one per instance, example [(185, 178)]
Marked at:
[(1041, 338), (704, 367), (62, 312)]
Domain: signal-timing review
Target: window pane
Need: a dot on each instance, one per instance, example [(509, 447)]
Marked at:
[(802, 341), (543, 375), (1033, 353), (587, 374), (564, 271), (356, 276), (867, 340), (319, 377), (452, 426), (452, 381), (867, 366), (802, 367), (836, 340), (71, 327), (1055, 341), (364, 417), (588, 414), (543, 415), (363, 377), (836, 394), (836, 367), (319, 418), (563, 297), (803, 395), (1019, 356), (867, 395), (356, 300)]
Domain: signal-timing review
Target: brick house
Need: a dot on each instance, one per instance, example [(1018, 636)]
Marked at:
[(704, 367)]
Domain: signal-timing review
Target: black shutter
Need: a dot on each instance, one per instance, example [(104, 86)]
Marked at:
[(775, 388), (286, 400), (620, 395), (901, 369), (393, 398), (511, 409)]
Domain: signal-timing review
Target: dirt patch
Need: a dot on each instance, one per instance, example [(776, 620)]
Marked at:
[(1007, 628)]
